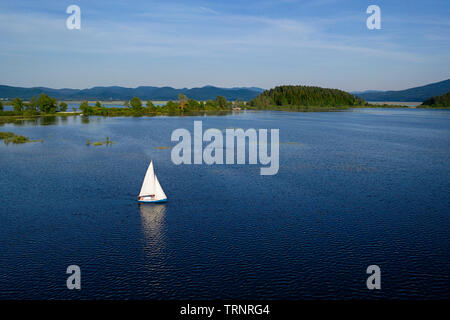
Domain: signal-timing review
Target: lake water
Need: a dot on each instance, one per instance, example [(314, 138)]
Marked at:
[(354, 188), (398, 103)]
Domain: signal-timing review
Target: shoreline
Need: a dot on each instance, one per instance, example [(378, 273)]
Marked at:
[(211, 112)]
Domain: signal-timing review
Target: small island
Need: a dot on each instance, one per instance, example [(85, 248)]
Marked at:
[(305, 98)]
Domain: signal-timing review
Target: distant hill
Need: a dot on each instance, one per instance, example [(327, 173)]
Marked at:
[(122, 93), (414, 94)]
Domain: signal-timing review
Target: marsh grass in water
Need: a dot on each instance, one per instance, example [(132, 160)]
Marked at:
[(10, 137), (106, 142)]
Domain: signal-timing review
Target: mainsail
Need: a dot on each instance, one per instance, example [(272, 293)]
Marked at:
[(151, 185)]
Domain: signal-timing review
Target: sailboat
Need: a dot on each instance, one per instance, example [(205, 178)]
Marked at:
[(151, 190)]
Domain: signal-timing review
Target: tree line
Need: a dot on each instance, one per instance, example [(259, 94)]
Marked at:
[(289, 97), (135, 106), (438, 101), (44, 104)]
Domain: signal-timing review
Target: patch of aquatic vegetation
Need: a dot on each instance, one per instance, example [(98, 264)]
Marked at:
[(106, 142), (43, 119), (10, 137), (8, 120), (162, 148), (24, 119)]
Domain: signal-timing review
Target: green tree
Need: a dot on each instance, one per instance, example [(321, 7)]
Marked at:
[(136, 103), (211, 105), (17, 104), (182, 100), (98, 104), (1, 106), (85, 108), (47, 104), (151, 107), (63, 106), (33, 104), (194, 105), (172, 107), (222, 102)]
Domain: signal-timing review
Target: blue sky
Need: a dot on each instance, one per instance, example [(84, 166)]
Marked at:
[(225, 43)]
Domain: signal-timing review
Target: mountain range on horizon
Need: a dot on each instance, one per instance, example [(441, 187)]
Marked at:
[(419, 94), (416, 94), (123, 93)]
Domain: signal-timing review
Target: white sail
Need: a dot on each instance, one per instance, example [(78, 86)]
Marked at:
[(151, 185), (159, 192)]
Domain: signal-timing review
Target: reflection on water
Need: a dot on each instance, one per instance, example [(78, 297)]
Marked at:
[(38, 120), (85, 119), (76, 119), (47, 120), (152, 218)]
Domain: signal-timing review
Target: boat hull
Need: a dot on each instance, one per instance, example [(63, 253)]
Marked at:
[(153, 201)]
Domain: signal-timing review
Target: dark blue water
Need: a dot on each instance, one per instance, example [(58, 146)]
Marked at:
[(354, 189)]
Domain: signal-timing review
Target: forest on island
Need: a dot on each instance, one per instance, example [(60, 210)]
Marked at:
[(299, 97)]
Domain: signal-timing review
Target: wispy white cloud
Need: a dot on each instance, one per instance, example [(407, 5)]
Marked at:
[(169, 34)]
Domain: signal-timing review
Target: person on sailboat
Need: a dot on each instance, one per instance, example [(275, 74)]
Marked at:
[(152, 196)]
